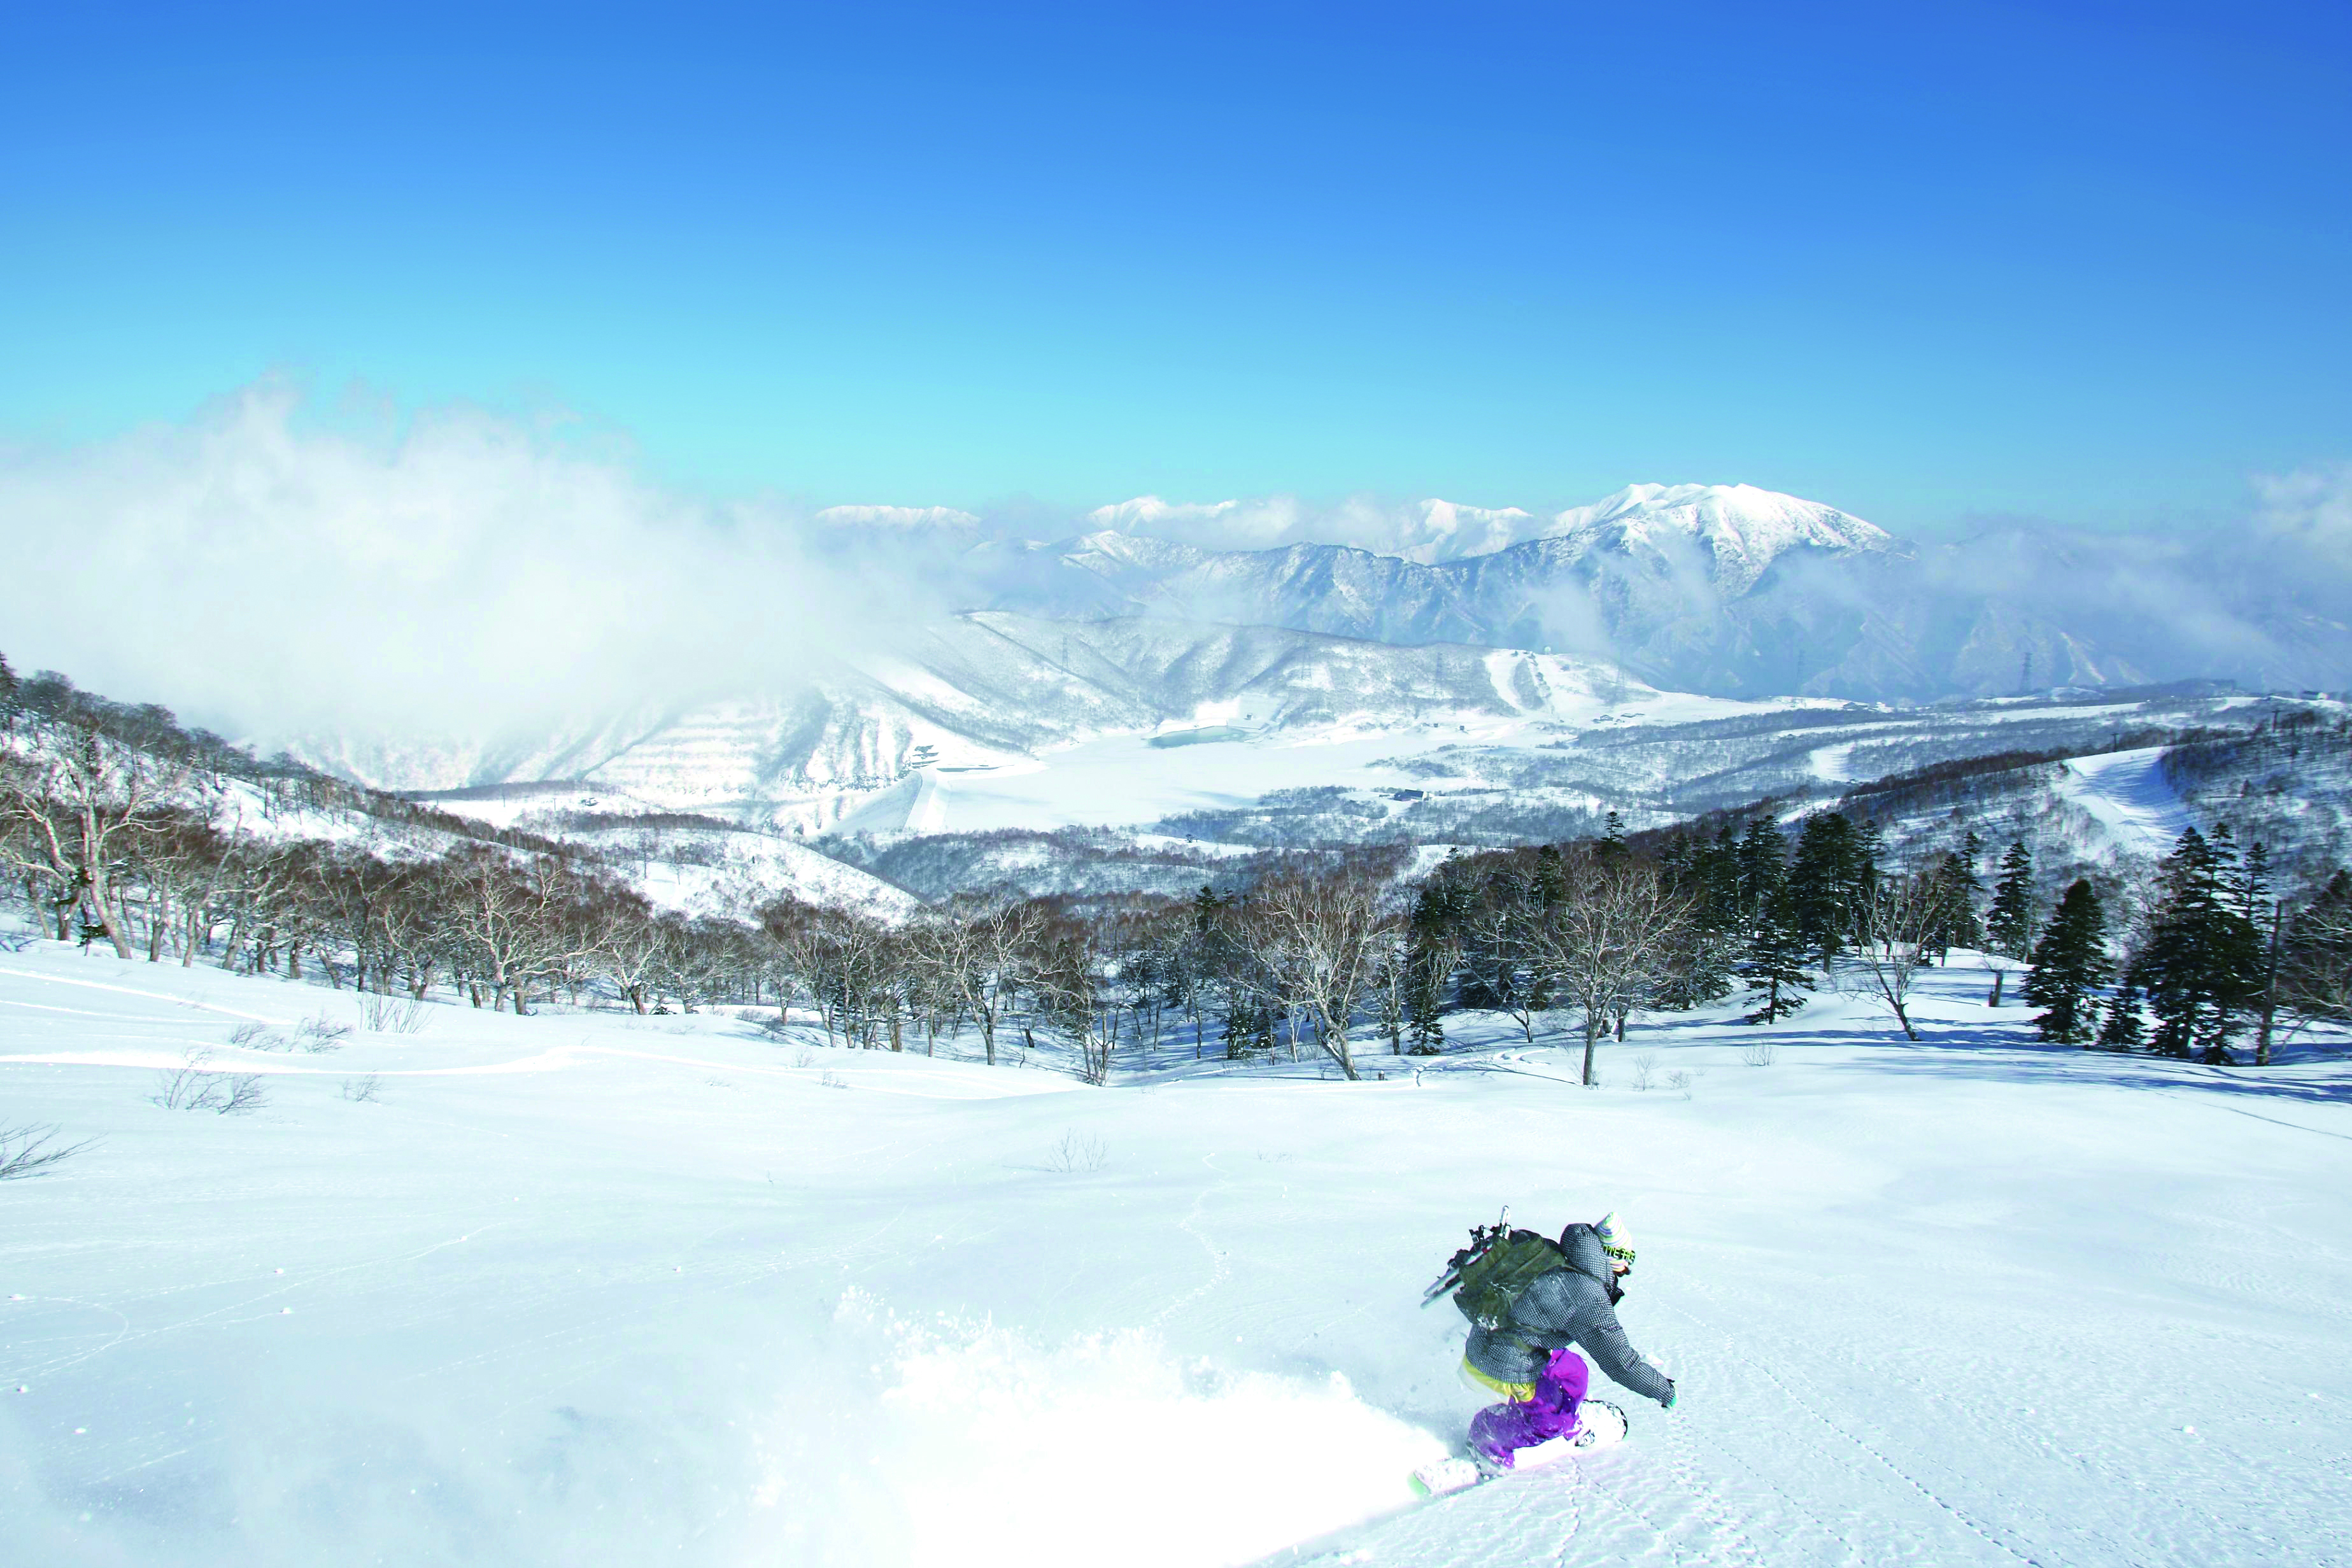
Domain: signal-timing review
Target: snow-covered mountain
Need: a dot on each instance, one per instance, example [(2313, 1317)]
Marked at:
[(992, 689), (1708, 587), (1722, 589), (1725, 591)]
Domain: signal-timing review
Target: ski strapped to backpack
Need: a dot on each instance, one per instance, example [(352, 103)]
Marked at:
[(1487, 1276)]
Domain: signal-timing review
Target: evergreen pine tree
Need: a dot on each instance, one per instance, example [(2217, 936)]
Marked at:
[(1763, 858), (1956, 890), (2009, 928), (2070, 962), (1430, 948), (1699, 969), (1716, 867), (1828, 878), (2121, 1028), (2254, 883), (2203, 961), (1776, 958), (2267, 914)]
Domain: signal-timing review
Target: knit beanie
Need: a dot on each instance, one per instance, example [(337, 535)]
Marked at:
[(1616, 1241)]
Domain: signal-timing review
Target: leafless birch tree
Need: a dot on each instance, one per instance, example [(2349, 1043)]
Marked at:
[(1896, 927), (1609, 941)]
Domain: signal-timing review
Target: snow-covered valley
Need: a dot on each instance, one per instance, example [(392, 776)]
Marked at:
[(587, 1287)]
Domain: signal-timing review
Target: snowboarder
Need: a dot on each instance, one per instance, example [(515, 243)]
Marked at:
[(1526, 1356)]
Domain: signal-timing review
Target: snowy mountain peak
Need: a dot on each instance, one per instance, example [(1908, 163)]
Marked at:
[(1743, 529)]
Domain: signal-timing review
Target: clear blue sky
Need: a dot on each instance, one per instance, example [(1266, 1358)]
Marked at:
[(2091, 262)]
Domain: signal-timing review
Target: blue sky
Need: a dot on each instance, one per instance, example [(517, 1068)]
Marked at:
[(2085, 262)]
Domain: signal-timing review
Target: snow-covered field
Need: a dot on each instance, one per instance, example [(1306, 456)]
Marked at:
[(586, 1288)]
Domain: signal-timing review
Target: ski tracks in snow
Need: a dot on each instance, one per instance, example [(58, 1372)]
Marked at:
[(1789, 1399), (1220, 1262)]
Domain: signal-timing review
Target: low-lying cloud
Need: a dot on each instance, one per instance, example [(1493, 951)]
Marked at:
[(266, 575), (272, 575)]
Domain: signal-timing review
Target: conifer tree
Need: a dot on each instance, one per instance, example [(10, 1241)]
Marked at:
[(1776, 958), (2009, 928), (1763, 866), (1432, 941), (1704, 874), (2266, 912), (1828, 880), (1956, 905), (1716, 867), (2121, 1028), (2070, 963), (2203, 960)]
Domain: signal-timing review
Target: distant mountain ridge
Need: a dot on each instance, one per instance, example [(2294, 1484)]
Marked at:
[(983, 690), (1724, 590)]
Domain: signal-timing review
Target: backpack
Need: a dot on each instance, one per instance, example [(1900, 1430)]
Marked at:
[(1487, 1276)]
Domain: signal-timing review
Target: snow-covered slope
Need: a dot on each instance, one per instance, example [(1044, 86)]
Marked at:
[(2127, 794), (586, 1288), (699, 867), (997, 691)]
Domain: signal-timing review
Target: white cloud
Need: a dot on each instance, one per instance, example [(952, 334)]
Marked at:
[(2312, 506), (261, 574), (904, 518)]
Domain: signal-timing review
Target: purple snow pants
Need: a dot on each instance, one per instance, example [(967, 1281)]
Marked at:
[(1498, 1430)]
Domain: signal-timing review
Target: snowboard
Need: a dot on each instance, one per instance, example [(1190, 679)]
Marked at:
[(1599, 1425)]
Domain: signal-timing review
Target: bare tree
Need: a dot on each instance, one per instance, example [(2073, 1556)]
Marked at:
[(1330, 927), (522, 922), (628, 947), (1896, 928), (850, 963), (2314, 961), (972, 950), (28, 1151), (73, 805), (1067, 968), (1610, 940)]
